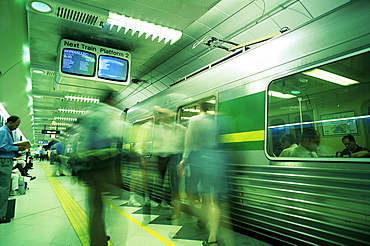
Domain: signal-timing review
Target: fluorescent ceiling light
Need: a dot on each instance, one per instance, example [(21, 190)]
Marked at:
[(65, 118), (192, 110), (41, 7), (72, 111), (3, 112), (331, 77), (38, 71), (142, 27), (82, 99), (280, 95)]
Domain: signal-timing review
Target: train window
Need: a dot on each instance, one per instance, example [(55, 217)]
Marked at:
[(322, 112), (184, 113)]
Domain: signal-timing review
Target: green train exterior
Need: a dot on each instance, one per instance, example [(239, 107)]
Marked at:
[(292, 201)]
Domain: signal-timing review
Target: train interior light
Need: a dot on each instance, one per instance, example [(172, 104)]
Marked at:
[(330, 77)]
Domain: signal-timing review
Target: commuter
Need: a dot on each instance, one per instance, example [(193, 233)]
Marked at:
[(7, 152), (173, 144), (206, 165), (29, 164), (352, 149), (42, 154), (21, 166), (57, 150), (99, 130), (155, 157), (310, 140), (288, 142)]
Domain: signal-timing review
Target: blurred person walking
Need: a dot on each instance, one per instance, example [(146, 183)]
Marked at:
[(100, 132), (206, 162)]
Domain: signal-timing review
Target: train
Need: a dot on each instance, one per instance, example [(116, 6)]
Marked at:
[(313, 76)]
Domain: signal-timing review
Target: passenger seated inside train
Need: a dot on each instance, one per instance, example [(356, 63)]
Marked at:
[(310, 140), (288, 142), (352, 149)]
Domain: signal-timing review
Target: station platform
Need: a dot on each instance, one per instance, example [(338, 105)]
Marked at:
[(53, 212)]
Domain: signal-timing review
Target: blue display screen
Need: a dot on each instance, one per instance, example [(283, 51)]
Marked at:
[(78, 62), (113, 68)]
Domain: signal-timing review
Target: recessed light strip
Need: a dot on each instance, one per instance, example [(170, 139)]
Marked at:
[(150, 29), (330, 77), (71, 111), (82, 99), (280, 95)]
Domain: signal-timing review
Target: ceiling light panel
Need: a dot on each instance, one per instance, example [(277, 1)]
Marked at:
[(143, 28)]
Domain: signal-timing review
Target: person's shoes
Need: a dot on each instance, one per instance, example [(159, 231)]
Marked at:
[(133, 203), (14, 193), (33, 177), (164, 204), (151, 203), (4, 220), (173, 217), (206, 243), (62, 174)]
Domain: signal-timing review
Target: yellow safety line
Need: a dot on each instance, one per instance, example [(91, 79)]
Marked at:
[(80, 220), (154, 233), (243, 137), (151, 231), (76, 215)]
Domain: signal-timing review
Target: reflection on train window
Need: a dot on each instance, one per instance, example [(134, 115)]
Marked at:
[(311, 114), (187, 111)]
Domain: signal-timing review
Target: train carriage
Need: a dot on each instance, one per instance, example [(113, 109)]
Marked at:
[(272, 89)]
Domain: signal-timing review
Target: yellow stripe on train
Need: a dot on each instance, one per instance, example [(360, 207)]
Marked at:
[(243, 137)]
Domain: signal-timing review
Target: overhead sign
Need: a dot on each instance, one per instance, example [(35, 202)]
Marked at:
[(50, 132)]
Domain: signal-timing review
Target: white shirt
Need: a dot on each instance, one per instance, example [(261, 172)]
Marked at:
[(288, 151), (160, 139), (200, 135), (301, 151)]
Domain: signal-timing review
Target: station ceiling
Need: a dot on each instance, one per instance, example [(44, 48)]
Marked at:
[(30, 42)]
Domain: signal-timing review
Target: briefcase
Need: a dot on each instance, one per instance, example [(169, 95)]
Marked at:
[(10, 212)]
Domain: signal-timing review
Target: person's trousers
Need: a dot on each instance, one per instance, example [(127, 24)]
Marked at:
[(6, 166)]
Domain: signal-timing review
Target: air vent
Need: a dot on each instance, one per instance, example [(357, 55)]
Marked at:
[(50, 73), (70, 14)]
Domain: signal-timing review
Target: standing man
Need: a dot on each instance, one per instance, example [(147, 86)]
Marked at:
[(7, 152), (57, 150)]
